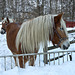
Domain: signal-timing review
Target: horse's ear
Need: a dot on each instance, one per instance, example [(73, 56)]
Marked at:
[(58, 18), (2, 18), (7, 19)]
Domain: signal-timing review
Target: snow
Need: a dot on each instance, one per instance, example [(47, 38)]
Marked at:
[(66, 68), (71, 28), (0, 23)]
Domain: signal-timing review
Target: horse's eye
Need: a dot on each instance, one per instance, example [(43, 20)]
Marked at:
[(61, 29), (6, 24)]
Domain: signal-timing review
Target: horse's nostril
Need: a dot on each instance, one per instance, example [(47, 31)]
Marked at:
[(64, 47), (2, 32)]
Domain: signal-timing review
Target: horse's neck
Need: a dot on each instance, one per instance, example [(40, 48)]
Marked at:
[(12, 26)]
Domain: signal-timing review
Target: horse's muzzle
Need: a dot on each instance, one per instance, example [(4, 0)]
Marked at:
[(64, 47), (3, 31)]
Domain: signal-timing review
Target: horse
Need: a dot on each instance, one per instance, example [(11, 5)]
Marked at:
[(6, 21), (27, 37)]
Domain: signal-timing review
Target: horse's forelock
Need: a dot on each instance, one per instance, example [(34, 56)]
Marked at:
[(5, 20)]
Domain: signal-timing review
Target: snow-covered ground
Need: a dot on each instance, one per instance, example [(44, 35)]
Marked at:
[(66, 68)]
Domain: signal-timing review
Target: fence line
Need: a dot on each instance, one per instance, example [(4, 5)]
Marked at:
[(39, 55), (30, 54)]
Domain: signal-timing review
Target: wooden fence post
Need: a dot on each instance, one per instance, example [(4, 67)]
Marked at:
[(45, 55)]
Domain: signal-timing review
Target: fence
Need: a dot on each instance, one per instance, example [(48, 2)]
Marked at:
[(58, 54)]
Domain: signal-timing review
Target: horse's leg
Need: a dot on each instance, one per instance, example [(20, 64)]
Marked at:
[(25, 59), (32, 59), (22, 61), (16, 64)]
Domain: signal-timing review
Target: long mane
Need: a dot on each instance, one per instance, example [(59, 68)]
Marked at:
[(34, 32)]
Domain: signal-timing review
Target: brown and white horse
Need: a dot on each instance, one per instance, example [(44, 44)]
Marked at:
[(27, 38), (6, 21)]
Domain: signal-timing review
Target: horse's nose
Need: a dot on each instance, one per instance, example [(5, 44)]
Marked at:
[(64, 47), (2, 31)]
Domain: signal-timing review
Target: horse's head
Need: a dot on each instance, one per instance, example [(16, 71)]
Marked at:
[(60, 37), (5, 22)]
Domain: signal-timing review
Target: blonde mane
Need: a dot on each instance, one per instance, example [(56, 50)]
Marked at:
[(34, 32)]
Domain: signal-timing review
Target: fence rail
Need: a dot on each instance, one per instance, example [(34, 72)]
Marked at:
[(56, 56), (30, 54)]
